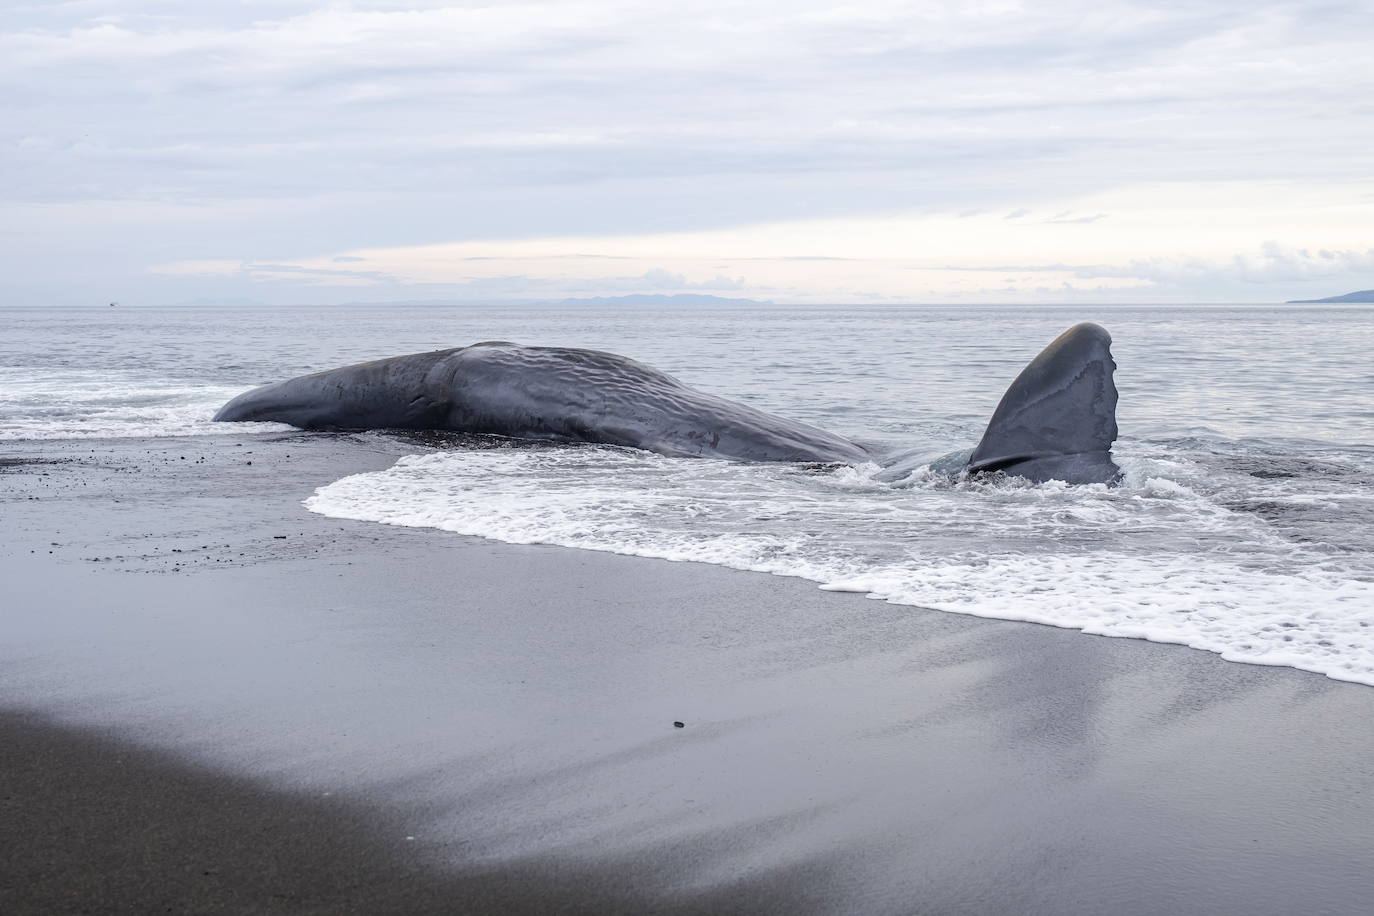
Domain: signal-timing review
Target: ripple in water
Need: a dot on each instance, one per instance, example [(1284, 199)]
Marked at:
[(101, 404)]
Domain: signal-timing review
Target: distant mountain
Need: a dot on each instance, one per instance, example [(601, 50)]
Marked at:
[(661, 299), (1364, 295)]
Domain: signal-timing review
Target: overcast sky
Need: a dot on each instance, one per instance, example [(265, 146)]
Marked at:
[(285, 151)]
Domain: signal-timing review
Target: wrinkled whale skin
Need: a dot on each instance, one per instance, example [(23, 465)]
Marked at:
[(556, 393), (1057, 421)]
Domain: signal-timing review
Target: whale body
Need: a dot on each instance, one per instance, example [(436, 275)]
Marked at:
[(1057, 421)]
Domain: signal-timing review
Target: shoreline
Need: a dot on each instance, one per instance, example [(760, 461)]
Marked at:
[(512, 707)]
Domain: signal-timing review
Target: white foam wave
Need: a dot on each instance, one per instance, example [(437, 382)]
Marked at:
[(100, 404), (1156, 559)]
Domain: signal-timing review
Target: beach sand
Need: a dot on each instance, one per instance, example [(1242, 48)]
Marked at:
[(216, 701)]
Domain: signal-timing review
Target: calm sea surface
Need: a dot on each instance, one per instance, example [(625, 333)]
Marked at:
[(1245, 525)]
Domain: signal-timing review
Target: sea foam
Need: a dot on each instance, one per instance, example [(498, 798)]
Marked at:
[(1172, 559)]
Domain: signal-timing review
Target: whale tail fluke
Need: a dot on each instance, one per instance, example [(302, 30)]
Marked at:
[(1057, 421)]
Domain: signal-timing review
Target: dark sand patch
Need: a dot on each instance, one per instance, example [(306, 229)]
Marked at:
[(11, 464), (91, 824)]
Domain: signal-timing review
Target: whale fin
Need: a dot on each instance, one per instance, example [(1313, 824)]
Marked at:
[(1057, 421)]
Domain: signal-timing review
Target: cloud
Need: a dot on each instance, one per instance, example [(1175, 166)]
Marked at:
[(302, 94), (278, 273), (1067, 218), (520, 286), (1273, 263), (658, 278), (232, 131), (1191, 243)]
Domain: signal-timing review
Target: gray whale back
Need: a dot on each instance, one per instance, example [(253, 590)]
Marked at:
[(556, 393), (1057, 421)]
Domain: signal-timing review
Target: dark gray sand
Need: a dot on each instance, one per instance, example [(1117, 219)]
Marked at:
[(219, 702), (95, 825)]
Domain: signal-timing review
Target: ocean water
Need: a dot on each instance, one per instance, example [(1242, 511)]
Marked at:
[(1244, 526)]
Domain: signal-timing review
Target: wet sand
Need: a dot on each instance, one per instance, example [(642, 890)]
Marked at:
[(93, 824), (216, 701)]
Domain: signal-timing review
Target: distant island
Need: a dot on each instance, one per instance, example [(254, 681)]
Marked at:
[(1363, 295), (662, 299)]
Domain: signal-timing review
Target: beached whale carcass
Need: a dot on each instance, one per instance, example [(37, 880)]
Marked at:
[(1057, 421)]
